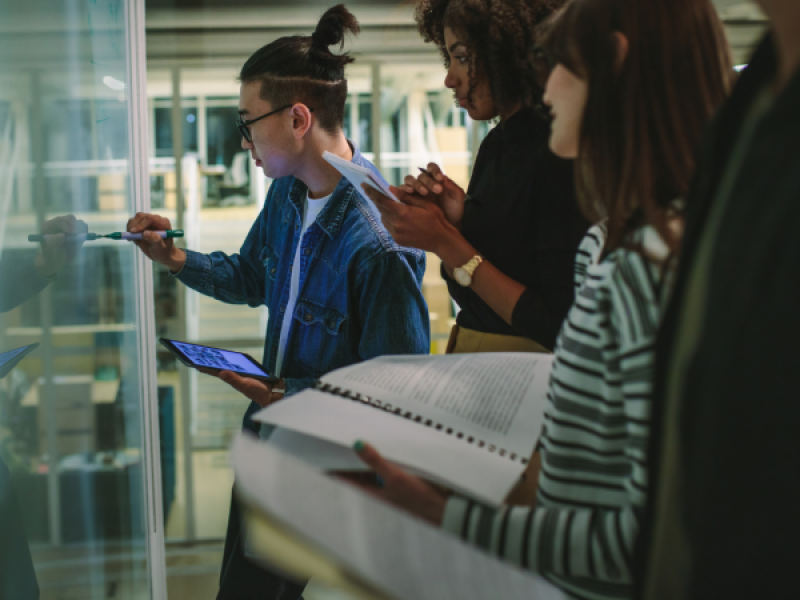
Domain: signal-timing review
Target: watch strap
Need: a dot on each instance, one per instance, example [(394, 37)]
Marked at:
[(473, 264)]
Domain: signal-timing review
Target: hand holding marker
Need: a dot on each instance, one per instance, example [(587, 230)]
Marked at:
[(117, 235)]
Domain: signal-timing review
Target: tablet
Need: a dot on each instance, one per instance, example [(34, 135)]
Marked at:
[(217, 359), (9, 360)]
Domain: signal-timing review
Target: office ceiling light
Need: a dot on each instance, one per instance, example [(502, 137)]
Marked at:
[(740, 68), (114, 84)]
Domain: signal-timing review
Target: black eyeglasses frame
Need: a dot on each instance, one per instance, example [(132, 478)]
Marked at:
[(243, 124)]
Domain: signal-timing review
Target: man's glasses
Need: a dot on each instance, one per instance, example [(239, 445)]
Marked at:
[(243, 124)]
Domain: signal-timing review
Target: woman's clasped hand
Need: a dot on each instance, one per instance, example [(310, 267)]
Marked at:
[(435, 186), (429, 213)]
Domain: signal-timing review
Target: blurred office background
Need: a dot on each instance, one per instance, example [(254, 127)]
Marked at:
[(111, 445)]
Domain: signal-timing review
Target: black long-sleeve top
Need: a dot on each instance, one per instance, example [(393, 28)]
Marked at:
[(522, 216)]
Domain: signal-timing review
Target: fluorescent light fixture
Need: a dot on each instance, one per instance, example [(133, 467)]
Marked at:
[(114, 84), (740, 68)]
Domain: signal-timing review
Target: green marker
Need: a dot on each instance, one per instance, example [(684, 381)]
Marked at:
[(117, 235), (125, 235)]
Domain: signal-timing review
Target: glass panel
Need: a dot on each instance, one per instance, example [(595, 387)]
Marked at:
[(72, 481)]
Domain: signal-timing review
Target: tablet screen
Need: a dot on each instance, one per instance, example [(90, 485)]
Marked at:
[(215, 358)]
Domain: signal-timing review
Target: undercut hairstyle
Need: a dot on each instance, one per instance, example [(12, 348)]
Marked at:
[(501, 39), (645, 113), (303, 69)]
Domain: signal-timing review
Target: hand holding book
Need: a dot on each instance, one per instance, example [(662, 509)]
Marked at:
[(403, 490), (469, 422)]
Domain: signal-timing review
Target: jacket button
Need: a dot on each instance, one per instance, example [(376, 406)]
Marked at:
[(272, 271), (283, 309), (309, 317), (306, 251)]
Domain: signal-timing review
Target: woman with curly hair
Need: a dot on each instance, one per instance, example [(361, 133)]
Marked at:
[(508, 243), (633, 85)]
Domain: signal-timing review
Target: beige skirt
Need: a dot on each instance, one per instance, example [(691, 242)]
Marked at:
[(463, 340)]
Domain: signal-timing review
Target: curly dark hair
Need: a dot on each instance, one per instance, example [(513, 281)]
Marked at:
[(501, 37)]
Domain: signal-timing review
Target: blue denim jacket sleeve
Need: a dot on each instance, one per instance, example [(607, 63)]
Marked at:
[(393, 312), (236, 278)]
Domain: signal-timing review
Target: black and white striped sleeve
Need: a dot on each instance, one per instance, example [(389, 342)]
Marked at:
[(582, 531)]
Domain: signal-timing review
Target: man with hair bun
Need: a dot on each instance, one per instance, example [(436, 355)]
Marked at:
[(338, 288)]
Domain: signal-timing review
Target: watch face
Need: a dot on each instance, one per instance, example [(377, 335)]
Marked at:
[(462, 277)]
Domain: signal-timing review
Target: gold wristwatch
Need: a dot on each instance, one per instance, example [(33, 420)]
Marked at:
[(463, 275)]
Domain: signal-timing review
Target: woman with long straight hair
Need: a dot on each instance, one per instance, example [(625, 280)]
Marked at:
[(632, 85)]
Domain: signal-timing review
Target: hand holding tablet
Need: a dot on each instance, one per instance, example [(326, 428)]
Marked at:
[(214, 360)]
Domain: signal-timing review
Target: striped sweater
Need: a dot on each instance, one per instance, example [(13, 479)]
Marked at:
[(581, 533)]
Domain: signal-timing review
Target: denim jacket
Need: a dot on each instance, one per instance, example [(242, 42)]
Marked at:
[(360, 293)]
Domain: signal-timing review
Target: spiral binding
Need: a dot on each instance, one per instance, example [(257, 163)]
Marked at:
[(375, 403)]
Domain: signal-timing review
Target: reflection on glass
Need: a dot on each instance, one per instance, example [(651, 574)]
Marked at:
[(71, 476)]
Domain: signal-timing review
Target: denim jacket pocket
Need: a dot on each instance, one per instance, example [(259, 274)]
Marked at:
[(309, 313), (269, 258)]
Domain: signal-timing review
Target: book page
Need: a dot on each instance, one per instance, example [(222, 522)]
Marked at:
[(390, 550), (498, 399), (338, 422)]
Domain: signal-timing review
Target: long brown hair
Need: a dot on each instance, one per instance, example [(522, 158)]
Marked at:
[(645, 115)]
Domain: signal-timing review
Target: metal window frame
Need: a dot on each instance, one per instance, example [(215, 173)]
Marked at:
[(138, 113)]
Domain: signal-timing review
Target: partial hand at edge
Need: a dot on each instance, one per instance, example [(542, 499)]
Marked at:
[(258, 391), (403, 490)]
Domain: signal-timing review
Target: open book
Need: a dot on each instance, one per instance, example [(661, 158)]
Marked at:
[(356, 174), (311, 525), (469, 421)]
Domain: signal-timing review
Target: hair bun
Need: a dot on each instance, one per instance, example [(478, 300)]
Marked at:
[(332, 27)]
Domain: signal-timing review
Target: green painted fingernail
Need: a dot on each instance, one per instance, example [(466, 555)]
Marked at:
[(358, 446)]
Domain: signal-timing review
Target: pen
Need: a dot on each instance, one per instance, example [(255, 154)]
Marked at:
[(117, 235), (431, 175), (126, 235)]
